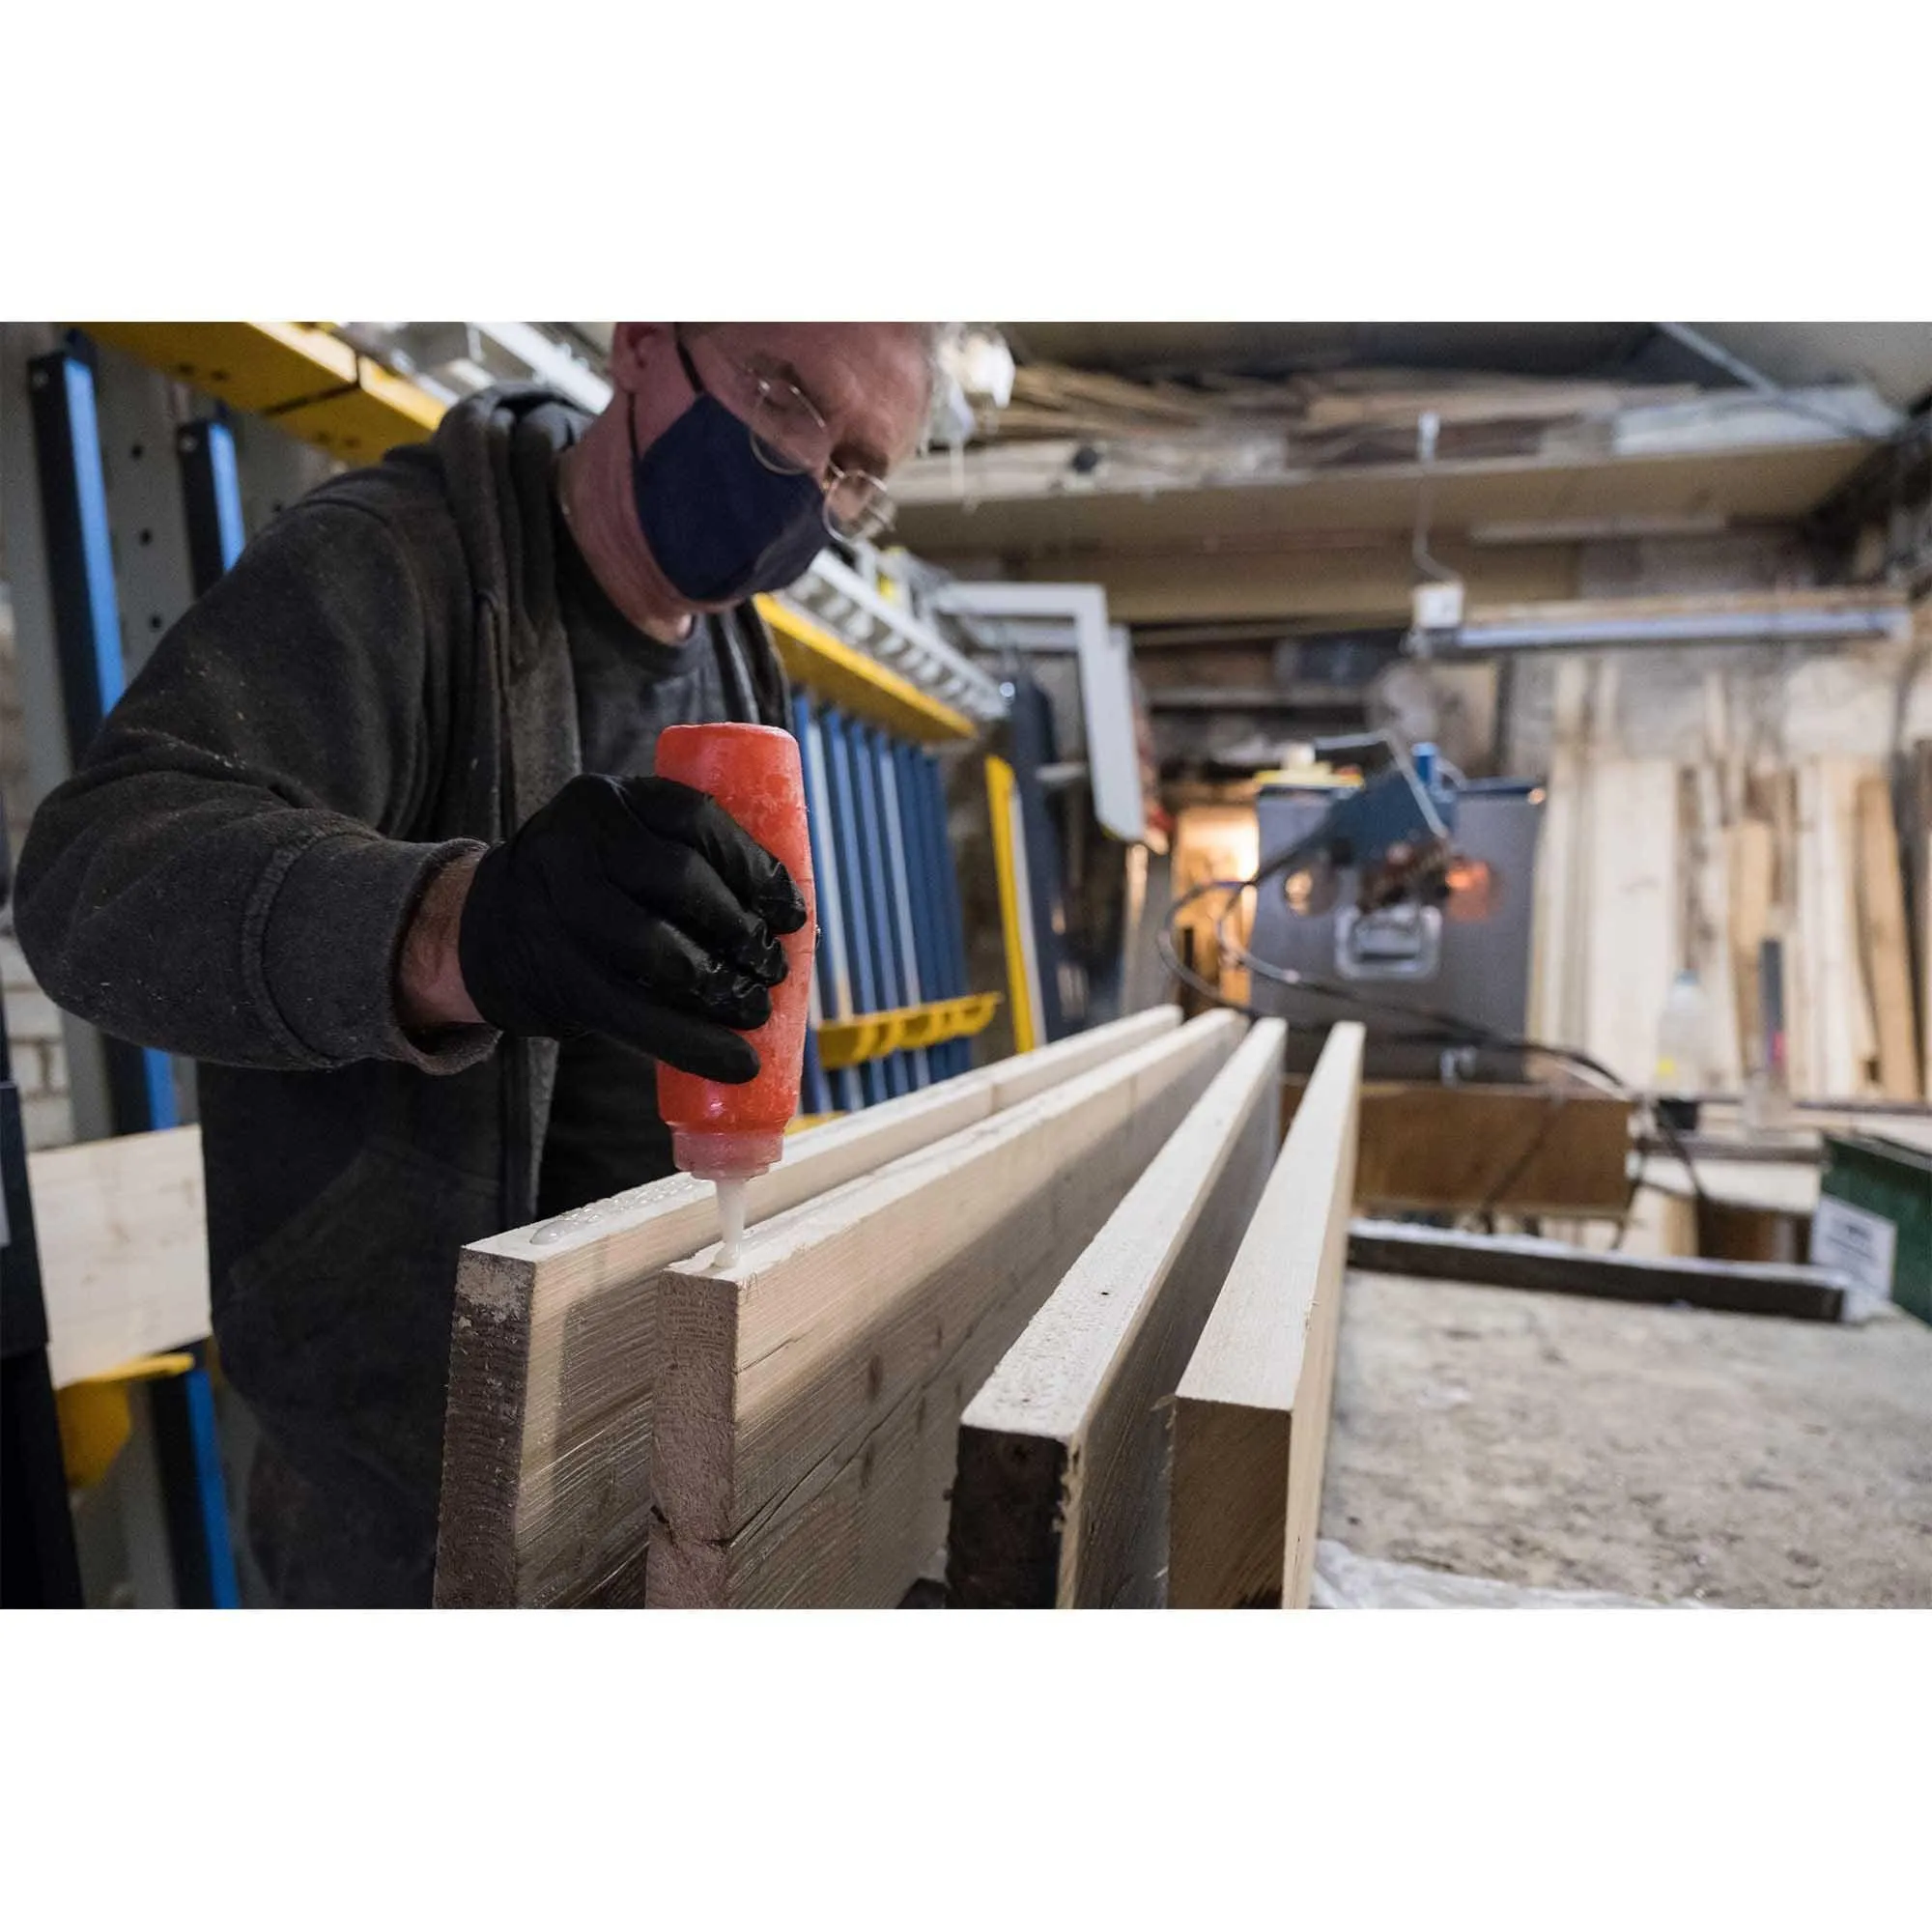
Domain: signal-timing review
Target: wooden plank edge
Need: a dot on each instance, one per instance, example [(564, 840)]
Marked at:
[(1797, 1292), (1233, 1439), (1021, 1434)]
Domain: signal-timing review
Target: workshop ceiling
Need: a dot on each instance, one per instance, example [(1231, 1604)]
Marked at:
[(1178, 349), (1894, 357), (1252, 470)]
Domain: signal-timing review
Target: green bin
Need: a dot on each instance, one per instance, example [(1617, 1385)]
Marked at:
[(1874, 1218)]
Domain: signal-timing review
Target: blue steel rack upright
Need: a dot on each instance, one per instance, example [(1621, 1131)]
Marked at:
[(140, 1080)]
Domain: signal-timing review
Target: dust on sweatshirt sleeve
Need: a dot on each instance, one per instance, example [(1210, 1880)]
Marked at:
[(227, 874)]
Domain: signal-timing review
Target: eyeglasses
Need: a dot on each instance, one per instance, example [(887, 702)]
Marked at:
[(791, 438)]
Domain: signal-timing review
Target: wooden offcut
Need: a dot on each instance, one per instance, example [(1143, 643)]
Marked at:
[(1061, 1496), (1738, 1288), (807, 1397), (1251, 1414), (123, 1235), (545, 1479)]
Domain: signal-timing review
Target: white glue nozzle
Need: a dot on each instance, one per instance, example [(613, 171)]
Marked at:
[(731, 1220), (729, 1158)]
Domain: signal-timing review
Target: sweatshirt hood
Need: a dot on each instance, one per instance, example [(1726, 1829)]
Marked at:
[(498, 452)]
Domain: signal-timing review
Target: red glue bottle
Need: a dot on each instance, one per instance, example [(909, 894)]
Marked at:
[(723, 1133)]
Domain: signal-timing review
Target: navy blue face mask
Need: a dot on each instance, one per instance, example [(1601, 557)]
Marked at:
[(719, 522)]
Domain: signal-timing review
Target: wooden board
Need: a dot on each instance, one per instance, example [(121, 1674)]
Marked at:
[(1751, 864), (1706, 921), (1630, 913), (1843, 1031), (807, 1399), (1558, 958), (1739, 1288), (1887, 956), (1920, 793), (1251, 1415), (123, 1233), (546, 1480), (1558, 1149), (1061, 1496)]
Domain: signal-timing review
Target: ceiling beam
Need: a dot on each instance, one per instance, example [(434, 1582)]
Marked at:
[(1763, 484), (1351, 588)]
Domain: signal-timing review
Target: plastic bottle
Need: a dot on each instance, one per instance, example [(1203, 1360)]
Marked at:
[(723, 1133), (1683, 1036)]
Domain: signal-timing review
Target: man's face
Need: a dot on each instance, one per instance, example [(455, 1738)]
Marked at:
[(867, 380), (866, 383)]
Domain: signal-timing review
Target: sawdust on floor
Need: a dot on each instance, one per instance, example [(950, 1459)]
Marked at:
[(1662, 1452)]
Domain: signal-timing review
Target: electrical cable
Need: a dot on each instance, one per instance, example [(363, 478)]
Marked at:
[(1453, 1028), (1537, 1139)]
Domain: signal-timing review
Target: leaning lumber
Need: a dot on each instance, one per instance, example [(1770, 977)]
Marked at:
[(1250, 1418), (1514, 1261), (1061, 1496), (1883, 946), (546, 1478), (807, 1397)]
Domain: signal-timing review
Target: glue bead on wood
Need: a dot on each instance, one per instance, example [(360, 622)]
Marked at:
[(731, 1220)]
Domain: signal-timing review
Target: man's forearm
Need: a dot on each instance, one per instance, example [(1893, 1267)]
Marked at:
[(430, 992)]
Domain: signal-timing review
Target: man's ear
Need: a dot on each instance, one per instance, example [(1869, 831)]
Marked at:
[(634, 347)]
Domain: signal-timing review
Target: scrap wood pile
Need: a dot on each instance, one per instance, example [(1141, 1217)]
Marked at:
[(1061, 1331), (1652, 865), (1357, 414)]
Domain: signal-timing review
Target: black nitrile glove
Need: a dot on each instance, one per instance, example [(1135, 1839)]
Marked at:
[(634, 907)]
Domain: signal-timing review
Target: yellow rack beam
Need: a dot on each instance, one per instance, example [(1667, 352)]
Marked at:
[(1015, 912), (832, 670), (306, 381), (869, 1036), (97, 1419)]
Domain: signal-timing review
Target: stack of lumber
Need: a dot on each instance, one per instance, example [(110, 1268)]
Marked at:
[(1650, 866), (546, 1478), (1059, 1497), (1156, 1435), (809, 1396), (1017, 1277), (1336, 412)]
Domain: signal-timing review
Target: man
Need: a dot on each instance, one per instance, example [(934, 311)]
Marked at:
[(374, 838)]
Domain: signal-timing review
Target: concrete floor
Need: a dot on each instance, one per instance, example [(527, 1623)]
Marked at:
[(1665, 1452)]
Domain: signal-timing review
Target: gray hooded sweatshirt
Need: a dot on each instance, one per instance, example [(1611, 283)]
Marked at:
[(382, 682)]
